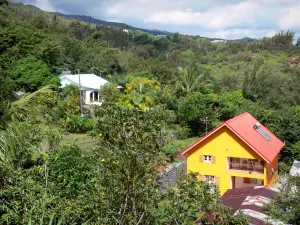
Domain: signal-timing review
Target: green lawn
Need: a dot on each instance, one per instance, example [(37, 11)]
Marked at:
[(183, 143), (84, 141)]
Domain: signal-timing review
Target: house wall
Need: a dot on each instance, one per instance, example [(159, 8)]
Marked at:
[(222, 144), (271, 178), (86, 93), (87, 97), (239, 183)]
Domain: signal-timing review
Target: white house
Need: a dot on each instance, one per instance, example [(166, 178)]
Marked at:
[(90, 86)]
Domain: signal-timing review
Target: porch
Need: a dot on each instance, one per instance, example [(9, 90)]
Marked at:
[(244, 182), (245, 165)]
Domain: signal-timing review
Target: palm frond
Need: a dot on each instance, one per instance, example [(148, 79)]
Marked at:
[(12, 129), (19, 110)]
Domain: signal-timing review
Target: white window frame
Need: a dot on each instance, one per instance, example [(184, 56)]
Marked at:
[(209, 179), (208, 158)]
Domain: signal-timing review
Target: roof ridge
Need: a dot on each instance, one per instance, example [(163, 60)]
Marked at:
[(237, 117)]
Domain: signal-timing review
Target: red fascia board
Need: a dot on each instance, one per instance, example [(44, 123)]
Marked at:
[(216, 129), (201, 139)]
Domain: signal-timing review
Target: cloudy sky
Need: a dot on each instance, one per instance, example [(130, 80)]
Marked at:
[(229, 19)]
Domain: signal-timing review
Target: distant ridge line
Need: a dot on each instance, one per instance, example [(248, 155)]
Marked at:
[(113, 24)]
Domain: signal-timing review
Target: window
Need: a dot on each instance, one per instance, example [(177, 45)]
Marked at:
[(209, 179), (207, 158), (253, 181), (246, 180), (250, 180), (94, 96), (261, 131)]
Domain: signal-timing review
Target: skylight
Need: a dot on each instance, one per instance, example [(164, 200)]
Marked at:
[(261, 131)]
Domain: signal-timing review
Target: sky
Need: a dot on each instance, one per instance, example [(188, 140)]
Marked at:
[(228, 19)]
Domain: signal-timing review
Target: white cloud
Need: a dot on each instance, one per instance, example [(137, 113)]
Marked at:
[(240, 33), (290, 17), (285, 2), (45, 5), (242, 13), (214, 18)]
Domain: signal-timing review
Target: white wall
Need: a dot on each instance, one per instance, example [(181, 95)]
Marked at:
[(239, 183), (86, 93), (87, 97)]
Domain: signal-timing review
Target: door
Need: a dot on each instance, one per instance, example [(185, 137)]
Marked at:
[(232, 182)]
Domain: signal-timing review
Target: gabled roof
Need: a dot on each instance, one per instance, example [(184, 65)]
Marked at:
[(243, 127), (91, 81)]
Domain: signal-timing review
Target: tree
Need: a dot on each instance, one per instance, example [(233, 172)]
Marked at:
[(63, 186), (109, 92), (69, 102), (129, 151), (49, 50), (283, 40), (232, 104), (13, 132), (7, 86), (191, 79), (196, 108), (2, 2), (161, 44), (31, 74), (298, 43), (140, 93), (72, 52), (177, 204), (285, 206)]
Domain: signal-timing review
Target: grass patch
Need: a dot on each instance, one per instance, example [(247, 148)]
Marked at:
[(84, 141), (183, 143)]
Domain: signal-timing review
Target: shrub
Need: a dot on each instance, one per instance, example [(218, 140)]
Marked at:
[(77, 124), (170, 150)]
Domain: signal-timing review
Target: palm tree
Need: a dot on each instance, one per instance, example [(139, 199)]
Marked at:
[(11, 129), (192, 79)]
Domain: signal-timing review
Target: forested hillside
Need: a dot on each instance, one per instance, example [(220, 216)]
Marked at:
[(176, 85), (93, 20)]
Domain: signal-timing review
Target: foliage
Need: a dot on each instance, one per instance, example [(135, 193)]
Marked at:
[(19, 137), (76, 124), (2, 2), (63, 185), (217, 81), (285, 206), (192, 79), (176, 207), (283, 40), (140, 93), (31, 74), (69, 103), (196, 108), (109, 92), (129, 150), (232, 104)]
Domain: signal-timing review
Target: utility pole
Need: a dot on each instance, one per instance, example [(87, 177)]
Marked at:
[(206, 124), (81, 111)]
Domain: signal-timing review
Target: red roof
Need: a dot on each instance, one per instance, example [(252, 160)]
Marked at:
[(242, 126), (251, 200)]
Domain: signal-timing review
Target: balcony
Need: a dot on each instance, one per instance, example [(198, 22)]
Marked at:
[(246, 165)]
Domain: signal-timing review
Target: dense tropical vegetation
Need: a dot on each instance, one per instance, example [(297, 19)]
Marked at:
[(175, 89)]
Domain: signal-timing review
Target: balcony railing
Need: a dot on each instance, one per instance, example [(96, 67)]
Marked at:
[(246, 165)]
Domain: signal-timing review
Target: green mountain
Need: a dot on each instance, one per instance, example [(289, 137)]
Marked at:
[(112, 24)]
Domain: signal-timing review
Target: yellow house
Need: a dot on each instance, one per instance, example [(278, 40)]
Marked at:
[(239, 153)]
